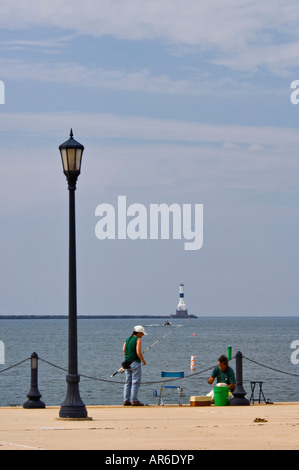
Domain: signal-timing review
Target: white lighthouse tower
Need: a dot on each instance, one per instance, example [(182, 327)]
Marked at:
[(181, 310)]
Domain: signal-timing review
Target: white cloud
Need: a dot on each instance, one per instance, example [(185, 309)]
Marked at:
[(280, 59), (75, 74), (78, 75), (197, 22), (167, 158), (49, 46), (238, 33), (97, 126)]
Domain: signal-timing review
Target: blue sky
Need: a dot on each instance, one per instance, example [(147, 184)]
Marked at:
[(183, 102)]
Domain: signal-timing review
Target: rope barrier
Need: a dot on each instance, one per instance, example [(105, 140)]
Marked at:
[(104, 380), (15, 365), (53, 365), (149, 382), (193, 374), (271, 368)]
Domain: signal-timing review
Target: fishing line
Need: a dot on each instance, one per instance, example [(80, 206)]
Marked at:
[(121, 370)]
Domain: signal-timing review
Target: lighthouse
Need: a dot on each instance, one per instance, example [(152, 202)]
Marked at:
[(181, 311)]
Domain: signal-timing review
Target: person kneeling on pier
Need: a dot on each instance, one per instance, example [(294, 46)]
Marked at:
[(133, 357)]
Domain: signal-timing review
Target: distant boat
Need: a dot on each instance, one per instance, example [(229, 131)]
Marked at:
[(167, 323)]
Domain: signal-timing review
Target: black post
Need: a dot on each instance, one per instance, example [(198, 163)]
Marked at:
[(239, 392), (34, 395), (73, 406)]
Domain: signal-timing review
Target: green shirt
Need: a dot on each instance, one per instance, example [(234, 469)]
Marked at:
[(130, 349), (227, 377)]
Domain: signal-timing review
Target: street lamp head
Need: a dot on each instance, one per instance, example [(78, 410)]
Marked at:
[(71, 155)]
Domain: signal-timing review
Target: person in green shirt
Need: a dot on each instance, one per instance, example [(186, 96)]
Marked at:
[(224, 373), (133, 354)]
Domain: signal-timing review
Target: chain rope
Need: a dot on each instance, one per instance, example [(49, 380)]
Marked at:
[(271, 368), (192, 374), (14, 365)]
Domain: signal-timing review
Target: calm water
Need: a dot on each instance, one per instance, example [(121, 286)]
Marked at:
[(266, 340)]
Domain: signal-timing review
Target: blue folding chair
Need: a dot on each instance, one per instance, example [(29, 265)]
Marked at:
[(178, 388)]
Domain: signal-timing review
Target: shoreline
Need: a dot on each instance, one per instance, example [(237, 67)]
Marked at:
[(92, 317), (128, 317), (152, 427)]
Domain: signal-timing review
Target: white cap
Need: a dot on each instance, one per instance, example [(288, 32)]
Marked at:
[(139, 329)]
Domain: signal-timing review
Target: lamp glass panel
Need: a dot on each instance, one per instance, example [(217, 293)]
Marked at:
[(71, 159), (64, 159), (78, 159)]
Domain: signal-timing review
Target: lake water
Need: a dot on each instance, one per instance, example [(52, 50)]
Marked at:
[(266, 340)]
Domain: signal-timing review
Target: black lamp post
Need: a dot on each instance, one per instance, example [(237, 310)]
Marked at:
[(72, 407)]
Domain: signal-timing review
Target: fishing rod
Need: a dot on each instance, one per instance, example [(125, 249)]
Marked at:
[(121, 370)]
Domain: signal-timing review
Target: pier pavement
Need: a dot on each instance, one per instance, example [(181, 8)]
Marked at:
[(158, 428)]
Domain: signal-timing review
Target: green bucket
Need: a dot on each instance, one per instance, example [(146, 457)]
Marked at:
[(221, 396)]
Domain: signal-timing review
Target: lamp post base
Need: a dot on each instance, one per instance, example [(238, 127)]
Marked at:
[(74, 412), (34, 404), (73, 407), (239, 401)]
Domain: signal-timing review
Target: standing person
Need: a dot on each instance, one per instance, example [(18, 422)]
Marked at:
[(133, 354)]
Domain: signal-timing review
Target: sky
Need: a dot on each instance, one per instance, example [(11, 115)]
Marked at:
[(176, 102)]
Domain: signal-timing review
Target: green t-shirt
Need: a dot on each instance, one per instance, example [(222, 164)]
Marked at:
[(130, 349), (227, 377)]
